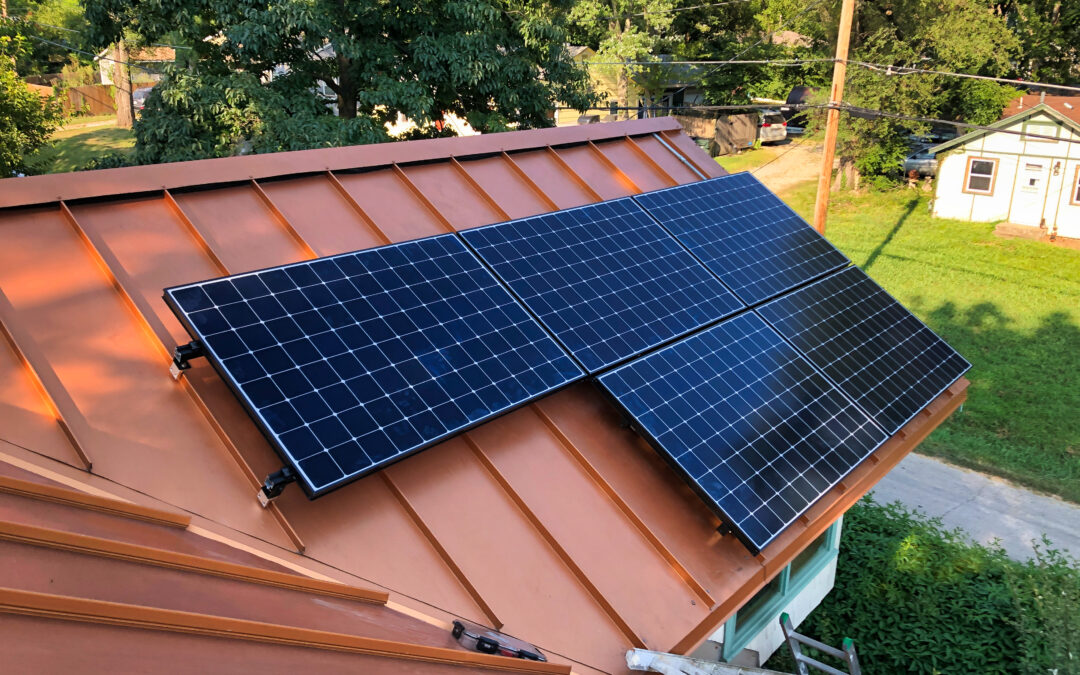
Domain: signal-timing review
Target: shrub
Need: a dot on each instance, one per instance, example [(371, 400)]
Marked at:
[(918, 598)]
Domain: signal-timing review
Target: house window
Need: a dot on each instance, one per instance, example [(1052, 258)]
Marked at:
[(1074, 198), (1042, 129), (766, 605), (980, 175)]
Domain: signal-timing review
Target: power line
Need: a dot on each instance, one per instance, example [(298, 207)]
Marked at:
[(910, 70), (676, 10), (771, 62), (94, 56), (857, 111), (79, 32), (804, 10), (870, 113)]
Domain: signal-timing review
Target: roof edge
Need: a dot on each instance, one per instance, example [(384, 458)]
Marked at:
[(33, 190), (1002, 123)]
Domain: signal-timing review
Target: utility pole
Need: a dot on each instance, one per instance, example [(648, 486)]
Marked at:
[(125, 116), (832, 122)]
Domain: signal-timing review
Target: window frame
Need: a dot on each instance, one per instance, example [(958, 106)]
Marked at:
[(739, 631), (966, 187), (1074, 193)]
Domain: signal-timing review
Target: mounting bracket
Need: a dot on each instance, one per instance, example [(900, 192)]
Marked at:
[(182, 355), (274, 485)]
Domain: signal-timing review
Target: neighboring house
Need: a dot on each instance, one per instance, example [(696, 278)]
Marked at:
[(1031, 181), (673, 85), (150, 58), (124, 493)]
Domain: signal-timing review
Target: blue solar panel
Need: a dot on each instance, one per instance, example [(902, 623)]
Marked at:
[(754, 428), (754, 242), (605, 279), (868, 344), (352, 362)]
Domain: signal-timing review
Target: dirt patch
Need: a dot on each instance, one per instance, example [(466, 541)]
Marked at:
[(799, 161)]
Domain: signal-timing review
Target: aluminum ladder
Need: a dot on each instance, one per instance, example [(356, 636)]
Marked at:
[(804, 663)]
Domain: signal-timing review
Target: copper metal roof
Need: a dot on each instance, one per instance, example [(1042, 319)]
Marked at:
[(552, 523)]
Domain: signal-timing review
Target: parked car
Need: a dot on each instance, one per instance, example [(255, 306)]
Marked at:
[(138, 97), (922, 162), (798, 96), (772, 127)]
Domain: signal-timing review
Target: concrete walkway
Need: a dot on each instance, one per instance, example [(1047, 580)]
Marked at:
[(984, 506)]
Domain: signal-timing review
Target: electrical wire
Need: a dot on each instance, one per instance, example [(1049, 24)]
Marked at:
[(793, 145), (769, 62), (676, 10), (94, 56), (857, 111), (910, 70), (804, 10)]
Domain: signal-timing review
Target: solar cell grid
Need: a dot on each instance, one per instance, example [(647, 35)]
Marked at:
[(741, 231), (757, 431), (605, 279), (868, 344), (354, 361)]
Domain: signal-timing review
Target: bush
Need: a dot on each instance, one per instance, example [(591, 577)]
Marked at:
[(921, 599)]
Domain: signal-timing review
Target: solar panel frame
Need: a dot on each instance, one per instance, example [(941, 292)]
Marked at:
[(443, 306), (715, 230), (560, 282), (782, 322), (735, 333)]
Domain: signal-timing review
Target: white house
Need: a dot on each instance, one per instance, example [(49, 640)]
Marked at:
[(1031, 178)]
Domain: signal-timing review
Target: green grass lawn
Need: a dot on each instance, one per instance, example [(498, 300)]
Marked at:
[(1011, 306), (70, 149), (747, 160)]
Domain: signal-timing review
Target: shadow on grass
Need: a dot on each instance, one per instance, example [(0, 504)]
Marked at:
[(1020, 419), (75, 151), (870, 259)]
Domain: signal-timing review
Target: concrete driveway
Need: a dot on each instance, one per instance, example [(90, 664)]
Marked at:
[(986, 507)]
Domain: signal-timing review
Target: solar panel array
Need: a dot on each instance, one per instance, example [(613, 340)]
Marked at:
[(605, 279), (352, 362), (755, 429), (753, 241), (868, 344)]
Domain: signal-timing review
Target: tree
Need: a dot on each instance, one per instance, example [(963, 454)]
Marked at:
[(629, 33), (1049, 34), (56, 23), (258, 66), (26, 119), (947, 35)]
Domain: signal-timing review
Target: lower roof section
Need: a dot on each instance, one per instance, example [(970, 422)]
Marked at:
[(552, 523)]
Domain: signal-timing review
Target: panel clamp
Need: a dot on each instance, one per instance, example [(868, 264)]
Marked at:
[(274, 485), (182, 355)]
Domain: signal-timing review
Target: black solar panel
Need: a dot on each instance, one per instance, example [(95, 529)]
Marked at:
[(352, 362), (754, 242), (749, 423), (604, 278), (868, 344)]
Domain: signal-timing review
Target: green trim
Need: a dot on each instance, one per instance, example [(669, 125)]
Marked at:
[(1007, 122), (738, 632)]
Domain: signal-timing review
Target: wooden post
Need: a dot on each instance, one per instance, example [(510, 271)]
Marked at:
[(125, 115), (843, 37)]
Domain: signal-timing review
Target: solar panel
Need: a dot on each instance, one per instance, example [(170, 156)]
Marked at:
[(757, 432), (754, 242), (352, 362), (605, 279), (868, 344)]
